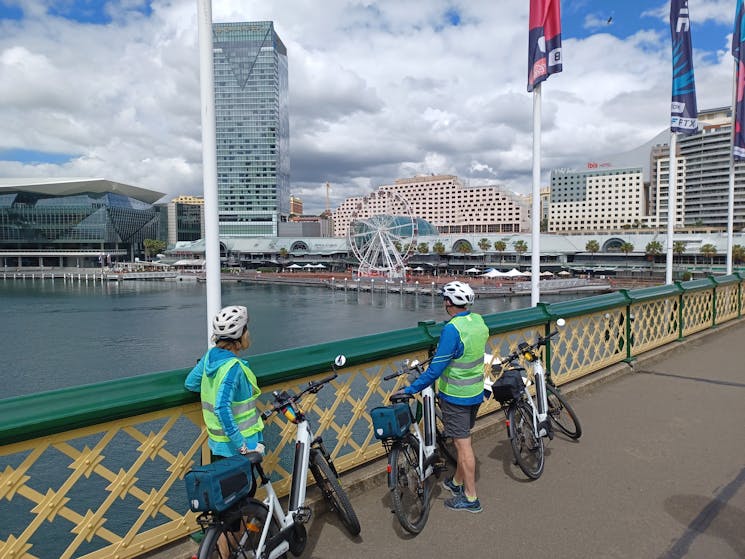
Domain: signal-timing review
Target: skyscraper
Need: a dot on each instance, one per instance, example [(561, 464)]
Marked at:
[(253, 130)]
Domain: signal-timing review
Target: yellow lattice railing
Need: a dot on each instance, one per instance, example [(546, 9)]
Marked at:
[(112, 488)]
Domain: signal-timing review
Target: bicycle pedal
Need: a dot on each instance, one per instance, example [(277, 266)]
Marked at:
[(303, 515)]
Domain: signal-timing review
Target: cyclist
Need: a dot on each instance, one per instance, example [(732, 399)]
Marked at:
[(458, 368), (228, 387)]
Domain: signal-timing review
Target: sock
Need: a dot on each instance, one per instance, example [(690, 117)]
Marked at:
[(471, 499), (456, 483)]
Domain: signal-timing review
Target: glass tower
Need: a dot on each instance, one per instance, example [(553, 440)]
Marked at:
[(253, 128)]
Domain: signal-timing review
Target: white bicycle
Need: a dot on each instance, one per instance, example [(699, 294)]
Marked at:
[(262, 529), (529, 421)]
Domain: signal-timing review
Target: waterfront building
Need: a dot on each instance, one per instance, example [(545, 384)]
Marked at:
[(74, 222), (657, 197), (445, 202), (296, 206), (706, 185), (596, 200), (253, 131), (185, 219)]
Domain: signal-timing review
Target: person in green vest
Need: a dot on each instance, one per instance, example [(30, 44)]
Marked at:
[(228, 387), (458, 369)]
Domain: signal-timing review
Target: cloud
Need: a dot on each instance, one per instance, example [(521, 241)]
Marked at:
[(378, 90)]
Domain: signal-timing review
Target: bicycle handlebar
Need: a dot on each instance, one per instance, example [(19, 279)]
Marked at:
[(524, 346), (285, 398), (408, 368)]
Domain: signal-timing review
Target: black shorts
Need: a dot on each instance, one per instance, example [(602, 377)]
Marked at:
[(458, 420)]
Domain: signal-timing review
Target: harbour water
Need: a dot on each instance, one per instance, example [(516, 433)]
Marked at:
[(56, 334)]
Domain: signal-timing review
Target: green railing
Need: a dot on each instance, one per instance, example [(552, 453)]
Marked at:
[(95, 471)]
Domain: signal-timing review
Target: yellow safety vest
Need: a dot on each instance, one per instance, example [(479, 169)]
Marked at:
[(245, 414), (464, 376)]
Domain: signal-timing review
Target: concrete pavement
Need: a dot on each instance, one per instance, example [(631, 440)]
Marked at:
[(658, 473)]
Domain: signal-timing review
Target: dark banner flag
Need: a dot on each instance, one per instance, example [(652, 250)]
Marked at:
[(738, 51), (683, 110), (544, 41)]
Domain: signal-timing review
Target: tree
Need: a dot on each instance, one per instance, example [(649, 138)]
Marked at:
[(283, 252), (592, 247), (521, 247), (423, 248), (653, 249), (709, 251), (438, 248), (153, 247), (500, 247), (484, 245), (679, 247), (627, 248), (738, 254)]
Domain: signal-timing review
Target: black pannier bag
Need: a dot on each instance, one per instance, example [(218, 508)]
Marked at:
[(509, 386), (217, 486)]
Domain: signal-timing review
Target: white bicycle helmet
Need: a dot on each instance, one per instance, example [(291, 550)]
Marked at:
[(459, 293), (229, 323)]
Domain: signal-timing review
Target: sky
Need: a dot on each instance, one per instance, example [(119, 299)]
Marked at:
[(379, 90)]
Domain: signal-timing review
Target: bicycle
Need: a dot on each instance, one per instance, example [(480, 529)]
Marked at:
[(529, 421), (413, 455), (262, 529)]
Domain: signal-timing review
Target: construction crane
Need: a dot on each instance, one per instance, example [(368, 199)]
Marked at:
[(328, 202)]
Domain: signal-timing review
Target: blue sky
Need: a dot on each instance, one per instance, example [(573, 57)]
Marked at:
[(378, 90)]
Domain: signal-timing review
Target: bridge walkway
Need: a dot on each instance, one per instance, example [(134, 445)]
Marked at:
[(658, 473)]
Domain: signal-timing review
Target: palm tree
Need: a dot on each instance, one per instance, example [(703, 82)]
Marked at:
[(521, 247), (500, 247), (738, 254), (438, 248), (627, 248), (710, 251), (484, 245), (592, 247), (679, 247), (653, 249), (423, 248)]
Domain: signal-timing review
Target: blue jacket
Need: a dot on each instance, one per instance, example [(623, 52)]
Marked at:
[(235, 387), (450, 347)]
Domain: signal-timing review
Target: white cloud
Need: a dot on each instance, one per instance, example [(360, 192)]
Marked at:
[(378, 91)]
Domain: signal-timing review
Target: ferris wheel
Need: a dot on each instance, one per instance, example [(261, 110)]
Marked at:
[(382, 234)]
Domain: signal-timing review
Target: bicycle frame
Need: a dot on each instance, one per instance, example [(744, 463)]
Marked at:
[(428, 440)]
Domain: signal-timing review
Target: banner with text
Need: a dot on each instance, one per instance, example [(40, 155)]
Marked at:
[(683, 110), (738, 51), (544, 41)]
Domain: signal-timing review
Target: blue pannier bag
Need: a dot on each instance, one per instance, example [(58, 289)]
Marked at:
[(391, 422), (217, 486)]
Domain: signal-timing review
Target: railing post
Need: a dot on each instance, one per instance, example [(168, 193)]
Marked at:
[(680, 311)]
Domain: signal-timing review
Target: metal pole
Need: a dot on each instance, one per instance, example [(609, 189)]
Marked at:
[(731, 194), (671, 206), (535, 260), (209, 162)]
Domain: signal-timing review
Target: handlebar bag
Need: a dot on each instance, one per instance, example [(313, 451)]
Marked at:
[(509, 386), (217, 486), (391, 422)]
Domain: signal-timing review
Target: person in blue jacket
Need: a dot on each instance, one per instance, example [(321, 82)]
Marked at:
[(228, 387), (458, 369)]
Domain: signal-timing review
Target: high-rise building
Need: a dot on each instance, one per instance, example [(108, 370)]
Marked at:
[(296, 205), (603, 200), (253, 130), (707, 157), (446, 203), (185, 219)]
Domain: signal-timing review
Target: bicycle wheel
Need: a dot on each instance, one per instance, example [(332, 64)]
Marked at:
[(561, 413), (410, 495), (333, 493), (528, 448), (444, 443), (236, 535)]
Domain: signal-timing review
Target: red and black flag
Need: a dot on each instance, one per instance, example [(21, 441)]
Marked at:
[(544, 41)]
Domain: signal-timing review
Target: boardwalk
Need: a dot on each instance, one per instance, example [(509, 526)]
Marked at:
[(658, 473)]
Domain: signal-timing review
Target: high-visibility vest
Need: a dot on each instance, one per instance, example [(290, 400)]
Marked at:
[(245, 414), (464, 376)]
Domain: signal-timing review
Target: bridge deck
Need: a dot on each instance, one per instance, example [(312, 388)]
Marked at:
[(658, 473)]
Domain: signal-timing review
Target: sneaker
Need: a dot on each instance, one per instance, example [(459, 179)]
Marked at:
[(460, 502), (449, 484)]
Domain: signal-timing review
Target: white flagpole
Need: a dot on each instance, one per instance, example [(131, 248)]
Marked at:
[(209, 162), (731, 194), (535, 261), (672, 205)]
